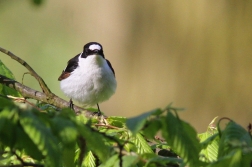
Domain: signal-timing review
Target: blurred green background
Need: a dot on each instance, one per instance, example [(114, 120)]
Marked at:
[(196, 54)]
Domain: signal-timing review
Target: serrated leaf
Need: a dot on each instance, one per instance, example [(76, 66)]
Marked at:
[(5, 90), (207, 139), (41, 136), (233, 136), (137, 123), (89, 160), (141, 144), (210, 143), (182, 138), (210, 147)]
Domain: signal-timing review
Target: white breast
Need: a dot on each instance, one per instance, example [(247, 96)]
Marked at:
[(90, 83)]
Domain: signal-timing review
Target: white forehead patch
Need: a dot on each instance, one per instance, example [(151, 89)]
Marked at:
[(95, 47)]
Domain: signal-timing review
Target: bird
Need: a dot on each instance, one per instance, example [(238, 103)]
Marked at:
[(88, 78)]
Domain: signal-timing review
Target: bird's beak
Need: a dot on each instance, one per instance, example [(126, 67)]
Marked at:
[(96, 51)]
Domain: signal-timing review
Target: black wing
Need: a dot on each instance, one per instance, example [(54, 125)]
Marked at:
[(110, 66), (71, 66)]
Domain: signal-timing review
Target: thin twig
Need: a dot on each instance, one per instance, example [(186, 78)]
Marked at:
[(107, 126), (42, 84), (24, 76), (23, 100), (23, 163)]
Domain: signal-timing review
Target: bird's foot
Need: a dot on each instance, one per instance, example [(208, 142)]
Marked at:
[(71, 105), (98, 113)]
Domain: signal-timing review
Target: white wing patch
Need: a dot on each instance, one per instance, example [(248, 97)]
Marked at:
[(94, 47)]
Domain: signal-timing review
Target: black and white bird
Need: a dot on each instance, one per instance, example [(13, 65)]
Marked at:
[(89, 78)]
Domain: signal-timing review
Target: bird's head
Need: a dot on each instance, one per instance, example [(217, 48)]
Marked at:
[(92, 48)]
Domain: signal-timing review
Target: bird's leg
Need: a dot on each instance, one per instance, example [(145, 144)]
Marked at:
[(99, 111), (71, 105)]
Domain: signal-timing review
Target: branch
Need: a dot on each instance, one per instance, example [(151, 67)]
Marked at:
[(23, 163), (40, 96), (41, 82), (46, 96)]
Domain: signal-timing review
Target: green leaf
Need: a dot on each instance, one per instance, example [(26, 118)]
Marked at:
[(182, 138), (129, 160), (210, 150), (141, 145), (117, 121), (137, 123), (160, 160), (68, 155), (6, 103), (41, 136), (151, 128), (5, 90), (25, 143), (234, 136), (234, 159), (64, 128), (8, 123), (89, 160), (210, 143), (111, 161), (94, 141)]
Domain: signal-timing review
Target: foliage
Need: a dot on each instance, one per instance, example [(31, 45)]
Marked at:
[(51, 137)]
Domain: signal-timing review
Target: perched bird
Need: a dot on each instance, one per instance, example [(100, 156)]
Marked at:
[(89, 78)]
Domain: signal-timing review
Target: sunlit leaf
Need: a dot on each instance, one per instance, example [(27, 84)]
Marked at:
[(89, 160), (141, 144), (182, 138), (210, 143), (232, 137), (210, 151)]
